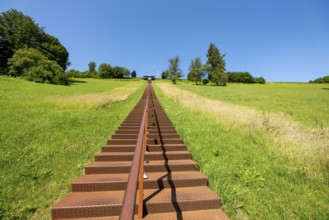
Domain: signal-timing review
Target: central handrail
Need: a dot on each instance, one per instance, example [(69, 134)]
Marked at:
[(136, 171)]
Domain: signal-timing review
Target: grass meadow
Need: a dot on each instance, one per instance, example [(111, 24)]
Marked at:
[(258, 175), (306, 103), (48, 133), (264, 148)]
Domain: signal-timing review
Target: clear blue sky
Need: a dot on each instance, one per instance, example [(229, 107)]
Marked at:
[(282, 40)]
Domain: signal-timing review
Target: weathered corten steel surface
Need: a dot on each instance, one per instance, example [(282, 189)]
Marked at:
[(174, 189)]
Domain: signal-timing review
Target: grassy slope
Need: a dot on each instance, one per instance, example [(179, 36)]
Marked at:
[(44, 146), (307, 103), (252, 180)]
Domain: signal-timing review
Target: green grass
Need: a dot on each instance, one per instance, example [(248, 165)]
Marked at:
[(306, 103), (44, 145), (253, 180)]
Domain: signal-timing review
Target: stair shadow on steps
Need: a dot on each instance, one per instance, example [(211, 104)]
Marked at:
[(178, 210)]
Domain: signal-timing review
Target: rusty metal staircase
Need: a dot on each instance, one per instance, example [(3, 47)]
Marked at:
[(174, 187)]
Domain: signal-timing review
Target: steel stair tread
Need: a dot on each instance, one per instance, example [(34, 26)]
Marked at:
[(91, 199), (181, 194), (180, 199), (148, 153), (151, 163), (152, 176), (210, 214)]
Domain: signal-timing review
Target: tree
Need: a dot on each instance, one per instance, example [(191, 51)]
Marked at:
[(33, 65), (164, 75), (105, 71), (219, 77), (133, 74), (174, 71), (324, 79), (120, 72), (19, 31), (197, 71), (54, 50), (16, 31), (92, 67), (215, 59), (216, 66)]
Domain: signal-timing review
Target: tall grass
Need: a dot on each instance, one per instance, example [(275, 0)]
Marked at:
[(253, 179), (45, 144), (304, 147), (305, 103)]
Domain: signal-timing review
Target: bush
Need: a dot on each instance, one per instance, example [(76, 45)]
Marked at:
[(164, 75), (260, 80), (39, 74), (73, 73), (240, 77), (62, 79), (133, 74), (205, 81), (32, 65)]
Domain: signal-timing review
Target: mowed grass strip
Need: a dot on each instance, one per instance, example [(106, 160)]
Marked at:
[(306, 103), (253, 180), (44, 145)]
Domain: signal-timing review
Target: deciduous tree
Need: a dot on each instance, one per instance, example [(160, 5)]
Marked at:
[(54, 50), (197, 71), (92, 67), (19, 31), (174, 72), (105, 71)]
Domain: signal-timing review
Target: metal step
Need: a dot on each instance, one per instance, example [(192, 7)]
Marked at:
[(156, 155), (119, 148), (180, 199), (89, 204), (166, 147), (210, 214), (155, 180), (152, 166)]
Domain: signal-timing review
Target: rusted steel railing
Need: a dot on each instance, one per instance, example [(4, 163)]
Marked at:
[(136, 171)]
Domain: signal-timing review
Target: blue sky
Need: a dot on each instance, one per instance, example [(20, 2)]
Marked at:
[(281, 40)]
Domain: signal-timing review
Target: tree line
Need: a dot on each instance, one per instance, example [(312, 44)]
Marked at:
[(212, 71), (324, 79), (105, 71), (27, 51)]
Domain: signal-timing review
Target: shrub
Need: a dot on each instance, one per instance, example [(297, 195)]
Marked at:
[(38, 74), (240, 77), (32, 65), (133, 74), (260, 80), (164, 75), (73, 73), (205, 81)]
